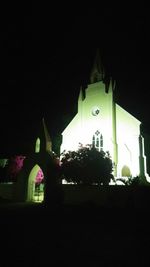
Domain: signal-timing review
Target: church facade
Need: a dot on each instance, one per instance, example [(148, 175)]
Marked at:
[(104, 124)]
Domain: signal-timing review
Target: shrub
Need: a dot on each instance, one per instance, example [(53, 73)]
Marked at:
[(87, 165), (132, 181)]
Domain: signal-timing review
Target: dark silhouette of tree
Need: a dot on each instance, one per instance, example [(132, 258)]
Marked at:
[(87, 165), (132, 181), (3, 174), (53, 193)]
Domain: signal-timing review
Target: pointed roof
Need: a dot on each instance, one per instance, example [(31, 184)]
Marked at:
[(48, 141), (97, 73), (81, 95)]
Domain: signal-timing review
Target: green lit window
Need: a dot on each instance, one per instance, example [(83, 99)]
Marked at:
[(97, 140)]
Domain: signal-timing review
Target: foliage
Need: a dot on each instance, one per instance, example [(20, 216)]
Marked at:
[(39, 177), (53, 192), (87, 166), (134, 181), (15, 165), (3, 174)]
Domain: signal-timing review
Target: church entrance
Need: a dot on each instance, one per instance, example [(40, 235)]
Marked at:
[(35, 190)]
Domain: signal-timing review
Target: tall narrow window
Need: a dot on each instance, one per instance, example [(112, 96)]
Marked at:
[(101, 142), (93, 141), (37, 145), (97, 141)]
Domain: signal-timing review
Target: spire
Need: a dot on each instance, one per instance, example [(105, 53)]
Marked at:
[(47, 137), (97, 73), (81, 96), (80, 99)]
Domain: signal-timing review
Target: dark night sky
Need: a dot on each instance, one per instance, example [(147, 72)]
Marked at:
[(47, 54)]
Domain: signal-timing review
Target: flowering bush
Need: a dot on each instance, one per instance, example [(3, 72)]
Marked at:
[(39, 177), (87, 165), (15, 165)]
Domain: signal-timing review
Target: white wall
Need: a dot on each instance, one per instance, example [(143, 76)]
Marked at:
[(128, 131)]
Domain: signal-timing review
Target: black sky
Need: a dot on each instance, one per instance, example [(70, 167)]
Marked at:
[(47, 54)]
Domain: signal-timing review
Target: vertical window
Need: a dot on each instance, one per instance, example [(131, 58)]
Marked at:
[(97, 141), (93, 141), (101, 142), (37, 145)]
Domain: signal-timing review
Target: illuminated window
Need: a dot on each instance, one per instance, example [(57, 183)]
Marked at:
[(97, 141), (93, 142), (101, 142), (37, 145)]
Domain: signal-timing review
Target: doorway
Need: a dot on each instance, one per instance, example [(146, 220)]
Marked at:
[(35, 190)]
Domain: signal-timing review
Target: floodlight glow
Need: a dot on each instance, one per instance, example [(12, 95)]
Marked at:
[(119, 129)]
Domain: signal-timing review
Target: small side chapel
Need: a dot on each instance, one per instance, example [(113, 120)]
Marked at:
[(101, 122)]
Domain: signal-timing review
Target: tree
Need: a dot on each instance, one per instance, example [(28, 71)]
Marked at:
[(14, 166), (132, 181), (87, 165), (53, 193), (39, 177), (3, 174)]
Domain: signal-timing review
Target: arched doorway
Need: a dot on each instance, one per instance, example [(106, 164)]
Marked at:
[(35, 190), (125, 172)]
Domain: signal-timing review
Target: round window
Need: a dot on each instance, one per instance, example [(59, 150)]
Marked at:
[(95, 111)]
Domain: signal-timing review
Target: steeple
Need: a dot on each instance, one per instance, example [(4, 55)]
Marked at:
[(48, 141), (81, 95), (97, 73), (80, 99)]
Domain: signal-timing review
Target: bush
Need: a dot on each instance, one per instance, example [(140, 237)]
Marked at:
[(132, 181), (87, 166)]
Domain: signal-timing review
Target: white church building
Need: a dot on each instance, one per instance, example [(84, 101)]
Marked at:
[(101, 122)]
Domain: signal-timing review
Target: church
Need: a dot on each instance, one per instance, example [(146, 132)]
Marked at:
[(104, 124)]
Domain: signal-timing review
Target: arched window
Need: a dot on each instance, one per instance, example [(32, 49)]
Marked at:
[(97, 140), (37, 145)]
